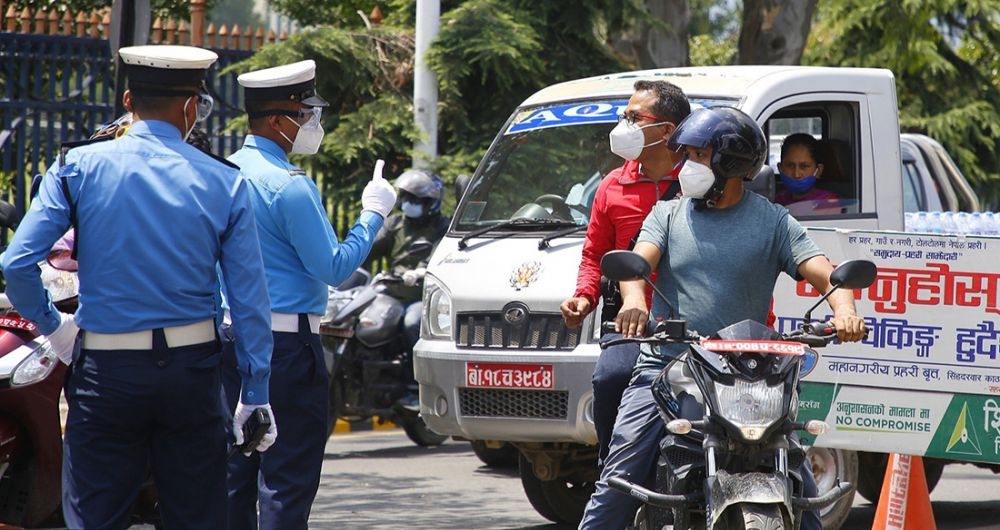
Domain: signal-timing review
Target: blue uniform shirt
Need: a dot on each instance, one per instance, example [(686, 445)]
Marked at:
[(301, 253), (155, 215)]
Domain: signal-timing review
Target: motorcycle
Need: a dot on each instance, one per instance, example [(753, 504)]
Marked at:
[(366, 354), (731, 454), (31, 379)]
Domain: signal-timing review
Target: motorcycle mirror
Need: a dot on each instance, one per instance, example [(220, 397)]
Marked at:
[(420, 248), (9, 217), (852, 274), (624, 265)]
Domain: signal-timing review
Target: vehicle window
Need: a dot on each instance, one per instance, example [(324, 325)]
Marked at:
[(547, 164), (819, 177), (913, 191)]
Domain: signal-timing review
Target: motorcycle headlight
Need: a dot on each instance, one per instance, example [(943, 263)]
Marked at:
[(36, 365), (436, 324), (751, 406)]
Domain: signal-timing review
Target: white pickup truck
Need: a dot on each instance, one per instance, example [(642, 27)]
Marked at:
[(496, 363)]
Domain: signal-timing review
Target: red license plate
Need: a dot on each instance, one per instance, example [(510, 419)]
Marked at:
[(505, 375)]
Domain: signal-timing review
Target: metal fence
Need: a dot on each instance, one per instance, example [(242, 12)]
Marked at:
[(57, 85)]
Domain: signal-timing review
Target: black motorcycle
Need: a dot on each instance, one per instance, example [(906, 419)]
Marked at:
[(731, 455), (367, 356)]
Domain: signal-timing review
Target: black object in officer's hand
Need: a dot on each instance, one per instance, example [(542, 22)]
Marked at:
[(253, 431)]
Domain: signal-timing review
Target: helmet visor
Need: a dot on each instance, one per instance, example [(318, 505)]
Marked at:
[(697, 130)]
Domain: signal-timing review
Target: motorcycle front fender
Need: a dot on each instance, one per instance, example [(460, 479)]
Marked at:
[(727, 489)]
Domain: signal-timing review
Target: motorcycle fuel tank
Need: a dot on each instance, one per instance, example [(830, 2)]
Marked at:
[(380, 321)]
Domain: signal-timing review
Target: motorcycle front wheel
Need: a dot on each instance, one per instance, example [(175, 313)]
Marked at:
[(418, 433), (747, 516)]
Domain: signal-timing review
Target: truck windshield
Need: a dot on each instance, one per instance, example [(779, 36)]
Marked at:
[(546, 164)]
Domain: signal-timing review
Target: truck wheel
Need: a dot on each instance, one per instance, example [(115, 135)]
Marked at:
[(829, 466), (560, 501), (418, 433), (504, 456), (874, 465)]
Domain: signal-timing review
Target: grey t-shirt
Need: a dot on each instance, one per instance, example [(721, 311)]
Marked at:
[(720, 265)]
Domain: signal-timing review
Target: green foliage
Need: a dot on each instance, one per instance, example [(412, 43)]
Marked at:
[(707, 50), (944, 56), (489, 55), (239, 12)]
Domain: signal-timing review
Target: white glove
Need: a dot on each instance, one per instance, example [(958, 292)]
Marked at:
[(63, 339), (240, 417), (413, 276), (379, 196)]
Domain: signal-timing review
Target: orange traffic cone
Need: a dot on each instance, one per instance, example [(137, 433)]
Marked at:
[(905, 503)]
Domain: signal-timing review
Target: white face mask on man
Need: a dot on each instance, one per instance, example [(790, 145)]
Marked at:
[(627, 139), (696, 179), (310, 135)]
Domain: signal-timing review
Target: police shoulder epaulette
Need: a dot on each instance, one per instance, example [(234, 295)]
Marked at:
[(223, 160), (66, 146)]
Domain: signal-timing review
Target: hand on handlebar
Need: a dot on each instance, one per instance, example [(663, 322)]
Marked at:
[(631, 320), (850, 328)]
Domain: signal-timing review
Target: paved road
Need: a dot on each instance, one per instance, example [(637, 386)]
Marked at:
[(379, 480)]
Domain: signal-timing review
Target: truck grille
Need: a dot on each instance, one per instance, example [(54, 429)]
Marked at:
[(540, 331), (504, 403)]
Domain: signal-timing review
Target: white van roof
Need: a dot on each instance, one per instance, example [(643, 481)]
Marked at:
[(726, 82)]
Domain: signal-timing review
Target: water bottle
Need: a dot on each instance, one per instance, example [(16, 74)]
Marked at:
[(959, 223), (991, 224), (935, 223), (975, 223), (919, 223)]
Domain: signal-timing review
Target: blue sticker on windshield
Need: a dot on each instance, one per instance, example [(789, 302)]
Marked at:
[(571, 114), (583, 112)]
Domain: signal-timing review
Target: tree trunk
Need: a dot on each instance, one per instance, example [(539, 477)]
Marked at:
[(774, 31), (658, 41)]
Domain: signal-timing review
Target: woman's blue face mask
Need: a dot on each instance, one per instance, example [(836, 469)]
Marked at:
[(798, 186)]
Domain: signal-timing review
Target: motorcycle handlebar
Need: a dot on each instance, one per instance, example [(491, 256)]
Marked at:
[(815, 334)]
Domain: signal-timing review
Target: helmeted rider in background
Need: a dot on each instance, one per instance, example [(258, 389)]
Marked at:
[(419, 217)]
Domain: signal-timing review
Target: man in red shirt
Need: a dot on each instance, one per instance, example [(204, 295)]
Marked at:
[(621, 203)]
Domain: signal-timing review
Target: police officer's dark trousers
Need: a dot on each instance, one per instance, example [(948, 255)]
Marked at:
[(132, 411), (285, 477)]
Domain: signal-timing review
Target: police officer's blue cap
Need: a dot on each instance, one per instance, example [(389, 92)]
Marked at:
[(290, 82), (166, 64)]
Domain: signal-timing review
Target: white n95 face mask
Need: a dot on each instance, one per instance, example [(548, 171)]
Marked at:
[(696, 179), (310, 135), (627, 139)]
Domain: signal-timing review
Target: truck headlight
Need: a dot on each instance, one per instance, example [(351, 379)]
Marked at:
[(436, 323), (751, 406), (36, 365)]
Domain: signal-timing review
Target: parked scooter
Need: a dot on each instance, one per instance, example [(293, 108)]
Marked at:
[(367, 354), (731, 455), (31, 379)]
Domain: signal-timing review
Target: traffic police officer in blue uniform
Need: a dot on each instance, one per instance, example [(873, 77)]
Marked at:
[(302, 256), (153, 218)]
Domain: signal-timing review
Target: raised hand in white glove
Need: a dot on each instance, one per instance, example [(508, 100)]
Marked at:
[(240, 417), (63, 339), (379, 196), (413, 276)]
